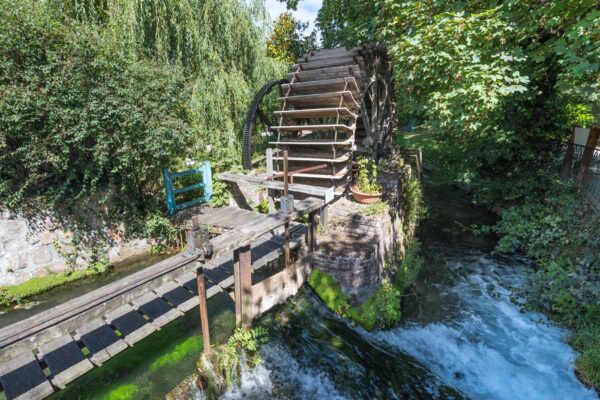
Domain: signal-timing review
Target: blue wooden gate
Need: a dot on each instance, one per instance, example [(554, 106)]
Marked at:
[(205, 185)]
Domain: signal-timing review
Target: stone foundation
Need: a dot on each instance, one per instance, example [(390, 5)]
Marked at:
[(32, 248), (359, 243)]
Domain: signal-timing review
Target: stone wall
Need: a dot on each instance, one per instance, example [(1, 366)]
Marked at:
[(362, 240), (33, 247)]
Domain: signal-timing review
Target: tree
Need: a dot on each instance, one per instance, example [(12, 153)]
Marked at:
[(288, 41), (98, 96)]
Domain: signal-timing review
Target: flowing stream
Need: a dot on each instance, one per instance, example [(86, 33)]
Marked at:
[(462, 336)]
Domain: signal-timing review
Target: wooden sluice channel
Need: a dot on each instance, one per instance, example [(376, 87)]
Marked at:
[(51, 349)]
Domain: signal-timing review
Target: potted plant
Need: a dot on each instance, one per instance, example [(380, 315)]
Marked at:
[(365, 189)]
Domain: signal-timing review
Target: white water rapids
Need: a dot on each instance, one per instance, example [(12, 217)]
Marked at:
[(484, 346), (490, 349)]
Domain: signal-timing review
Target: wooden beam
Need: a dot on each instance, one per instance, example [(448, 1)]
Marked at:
[(242, 290), (326, 193), (203, 309), (590, 147), (569, 155)]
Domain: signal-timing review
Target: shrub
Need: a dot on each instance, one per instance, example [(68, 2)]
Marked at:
[(410, 266), (366, 177), (78, 124)]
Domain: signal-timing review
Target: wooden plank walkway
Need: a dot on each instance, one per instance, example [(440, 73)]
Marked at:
[(106, 321)]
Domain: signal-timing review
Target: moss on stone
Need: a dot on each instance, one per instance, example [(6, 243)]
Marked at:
[(381, 310), (15, 294), (328, 290)]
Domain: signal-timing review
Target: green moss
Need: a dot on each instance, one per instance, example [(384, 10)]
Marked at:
[(123, 392), (328, 290), (381, 310), (15, 294), (179, 352)]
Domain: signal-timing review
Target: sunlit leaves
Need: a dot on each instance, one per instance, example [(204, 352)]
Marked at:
[(288, 40)]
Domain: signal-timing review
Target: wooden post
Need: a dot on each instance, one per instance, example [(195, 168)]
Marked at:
[(242, 278), (269, 161), (286, 243), (312, 232), (203, 309), (565, 171), (324, 217), (590, 147), (311, 239), (270, 192)]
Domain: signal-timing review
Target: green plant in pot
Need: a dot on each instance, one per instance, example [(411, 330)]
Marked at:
[(366, 189)]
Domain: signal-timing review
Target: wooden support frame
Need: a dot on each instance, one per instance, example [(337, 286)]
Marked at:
[(202, 306), (312, 232), (286, 244), (590, 147), (242, 278), (569, 155)]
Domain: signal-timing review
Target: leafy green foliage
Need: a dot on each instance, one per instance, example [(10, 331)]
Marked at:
[(76, 122), (242, 340), (494, 85), (366, 177), (412, 203), (98, 96), (288, 40), (160, 230), (410, 265), (580, 115)]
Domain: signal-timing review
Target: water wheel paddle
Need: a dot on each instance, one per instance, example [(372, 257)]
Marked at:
[(335, 103)]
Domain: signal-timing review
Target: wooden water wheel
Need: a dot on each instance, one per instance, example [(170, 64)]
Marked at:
[(335, 103)]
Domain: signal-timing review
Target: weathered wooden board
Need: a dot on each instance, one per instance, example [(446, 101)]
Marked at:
[(181, 298), (22, 378), (158, 310), (102, 342), (65, 360), (161, 292), (130, 323)]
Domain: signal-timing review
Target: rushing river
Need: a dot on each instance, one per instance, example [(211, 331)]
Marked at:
[(462, 336)]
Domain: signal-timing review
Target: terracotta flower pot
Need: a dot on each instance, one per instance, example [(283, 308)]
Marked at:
[(364, 198)]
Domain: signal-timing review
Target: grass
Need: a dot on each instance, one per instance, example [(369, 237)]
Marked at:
[(586, 339), (380, 207), (10, 295)]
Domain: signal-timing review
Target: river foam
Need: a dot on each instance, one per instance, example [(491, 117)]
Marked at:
[(489, 349), (278, 373)]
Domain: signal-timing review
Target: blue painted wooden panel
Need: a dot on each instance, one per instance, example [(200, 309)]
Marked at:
[(205, 185)]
